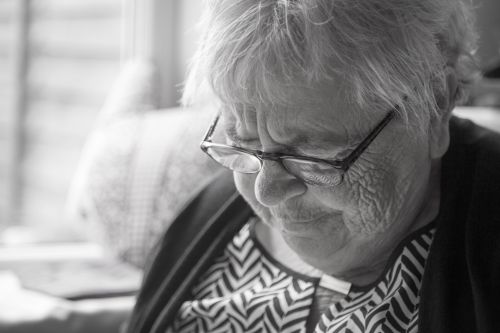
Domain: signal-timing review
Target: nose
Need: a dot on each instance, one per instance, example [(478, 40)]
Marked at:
[(274, 184)]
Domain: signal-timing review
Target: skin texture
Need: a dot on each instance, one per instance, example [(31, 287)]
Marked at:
[(350, 229)]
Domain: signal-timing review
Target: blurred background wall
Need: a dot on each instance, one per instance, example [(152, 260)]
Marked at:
[(488, 25), (58, 61)]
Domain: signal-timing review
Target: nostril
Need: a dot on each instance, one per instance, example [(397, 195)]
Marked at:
[(273, 184), (272, 193)]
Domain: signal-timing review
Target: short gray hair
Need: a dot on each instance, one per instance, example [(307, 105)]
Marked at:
[(390, 52)]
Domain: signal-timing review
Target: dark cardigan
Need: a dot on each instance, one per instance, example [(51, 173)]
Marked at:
[(461, 283)]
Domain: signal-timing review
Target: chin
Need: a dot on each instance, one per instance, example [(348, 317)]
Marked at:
[(316, 252), (317, 238)]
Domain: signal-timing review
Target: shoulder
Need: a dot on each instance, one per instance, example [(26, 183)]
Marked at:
[(475, 154), (471, 169), (474, 163), (466, 133), (465, 253)]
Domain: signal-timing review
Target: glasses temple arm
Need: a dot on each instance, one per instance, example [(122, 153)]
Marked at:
[(368, 140), (211, 129)]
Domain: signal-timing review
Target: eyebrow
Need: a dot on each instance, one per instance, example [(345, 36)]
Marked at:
[(233, 135), (292, 146)]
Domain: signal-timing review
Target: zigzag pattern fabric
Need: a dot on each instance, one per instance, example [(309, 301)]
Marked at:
[(245, 290), (390, 306)]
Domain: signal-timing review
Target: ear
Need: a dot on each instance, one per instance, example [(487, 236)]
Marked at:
[(439, 124)]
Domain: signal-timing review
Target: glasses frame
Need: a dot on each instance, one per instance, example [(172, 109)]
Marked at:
[(342, 164)]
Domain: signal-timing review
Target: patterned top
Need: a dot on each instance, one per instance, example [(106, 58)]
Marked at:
[(246, 290)]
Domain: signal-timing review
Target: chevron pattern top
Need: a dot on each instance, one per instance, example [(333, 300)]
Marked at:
[(246, 290)]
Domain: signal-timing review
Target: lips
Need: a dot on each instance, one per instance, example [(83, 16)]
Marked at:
[(299, 219), (302, 223), (302, 215)]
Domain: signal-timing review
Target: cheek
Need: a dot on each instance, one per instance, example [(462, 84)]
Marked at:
[(377, 191), (372, 196)]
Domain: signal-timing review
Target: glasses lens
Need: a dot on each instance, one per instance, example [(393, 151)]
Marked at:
[(314, 173), (234, 159)]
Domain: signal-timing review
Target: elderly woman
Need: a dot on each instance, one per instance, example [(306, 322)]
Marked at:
[(362, 205)]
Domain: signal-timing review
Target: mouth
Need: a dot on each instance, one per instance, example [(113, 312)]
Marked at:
[(312, 223), (288, 219), (305, 217)]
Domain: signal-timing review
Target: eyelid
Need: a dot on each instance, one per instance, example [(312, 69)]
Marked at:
[(316, 151), (243, 143), (335, 154), (232, 135)]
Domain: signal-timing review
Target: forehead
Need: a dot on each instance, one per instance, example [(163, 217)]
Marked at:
[(310, 113)]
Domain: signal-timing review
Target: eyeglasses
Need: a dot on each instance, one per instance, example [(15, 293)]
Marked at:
[(311, 170)]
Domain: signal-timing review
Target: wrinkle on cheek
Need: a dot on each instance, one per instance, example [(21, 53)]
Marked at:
[(372, 194)]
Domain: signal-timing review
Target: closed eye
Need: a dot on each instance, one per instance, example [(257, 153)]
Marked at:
[(252, 144), (324, 153), (234, 138)]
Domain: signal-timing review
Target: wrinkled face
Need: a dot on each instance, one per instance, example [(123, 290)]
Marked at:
[(381, 193)]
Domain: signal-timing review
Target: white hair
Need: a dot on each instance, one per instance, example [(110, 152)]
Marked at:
[(389, 52)]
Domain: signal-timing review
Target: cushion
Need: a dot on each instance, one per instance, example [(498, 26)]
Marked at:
[(138, 167)]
